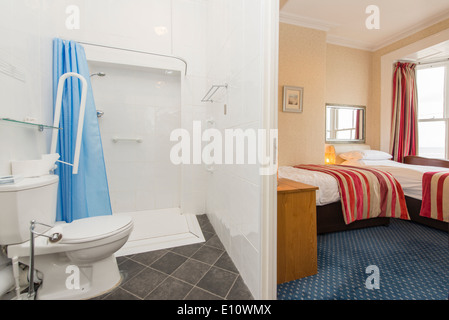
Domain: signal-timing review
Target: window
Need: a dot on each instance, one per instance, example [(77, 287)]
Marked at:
[(433, 111)]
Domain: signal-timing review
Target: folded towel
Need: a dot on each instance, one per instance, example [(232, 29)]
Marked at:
[(10, 179)]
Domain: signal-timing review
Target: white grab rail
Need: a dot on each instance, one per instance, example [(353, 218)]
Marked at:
[(117, 139), (58, 107)]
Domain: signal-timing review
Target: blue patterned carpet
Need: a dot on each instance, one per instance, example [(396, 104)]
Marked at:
[(413, 264)]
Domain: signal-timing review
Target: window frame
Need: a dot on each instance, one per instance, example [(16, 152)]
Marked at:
[(445, 118)]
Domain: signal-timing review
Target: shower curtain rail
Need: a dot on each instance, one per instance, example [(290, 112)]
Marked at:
[(138, 51)]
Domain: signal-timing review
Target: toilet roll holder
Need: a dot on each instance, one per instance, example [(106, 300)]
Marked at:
[(53, 238)]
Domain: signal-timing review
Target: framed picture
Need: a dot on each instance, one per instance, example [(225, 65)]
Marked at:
[(293, 97)]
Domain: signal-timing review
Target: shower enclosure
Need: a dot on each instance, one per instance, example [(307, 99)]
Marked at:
[(138, 108)]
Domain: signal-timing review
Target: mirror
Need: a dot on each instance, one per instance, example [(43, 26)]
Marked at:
[(345, 123)]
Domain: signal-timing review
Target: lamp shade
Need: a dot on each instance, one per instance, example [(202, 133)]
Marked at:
[(329, 155)]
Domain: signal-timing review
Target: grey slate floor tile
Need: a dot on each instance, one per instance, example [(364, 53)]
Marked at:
[(218, 281), (201, 271)]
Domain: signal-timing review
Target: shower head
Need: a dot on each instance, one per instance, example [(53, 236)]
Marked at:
[(100, 74)]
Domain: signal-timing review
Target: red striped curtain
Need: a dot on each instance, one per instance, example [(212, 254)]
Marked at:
[(358, 119), (404, 122)]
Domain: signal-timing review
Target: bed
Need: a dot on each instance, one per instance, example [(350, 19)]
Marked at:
[(330, 217), (414, 204)]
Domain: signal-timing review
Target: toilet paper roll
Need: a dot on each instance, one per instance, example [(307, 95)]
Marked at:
[(6, 280)]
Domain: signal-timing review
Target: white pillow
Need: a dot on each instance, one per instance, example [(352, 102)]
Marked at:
[(366, 155)]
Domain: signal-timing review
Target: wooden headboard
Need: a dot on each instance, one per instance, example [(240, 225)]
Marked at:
[(421, 161), (343, 147)]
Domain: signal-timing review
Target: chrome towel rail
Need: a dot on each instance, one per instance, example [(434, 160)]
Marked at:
[(212, 91)]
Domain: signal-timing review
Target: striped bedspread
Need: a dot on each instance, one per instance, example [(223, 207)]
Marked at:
[(366, 192), (435, 196)]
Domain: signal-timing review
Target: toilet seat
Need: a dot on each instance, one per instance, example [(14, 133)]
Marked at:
[(77, 235), (94, 228)]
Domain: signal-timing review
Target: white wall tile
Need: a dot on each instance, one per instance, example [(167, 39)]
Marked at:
[(139, 103), (115, 23), (233, 192), (189, 34), (21, 96)]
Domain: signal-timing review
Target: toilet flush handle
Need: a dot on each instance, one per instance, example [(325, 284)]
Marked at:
[(55, 237)]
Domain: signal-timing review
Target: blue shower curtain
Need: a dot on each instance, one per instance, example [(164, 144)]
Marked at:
[(85, 194)]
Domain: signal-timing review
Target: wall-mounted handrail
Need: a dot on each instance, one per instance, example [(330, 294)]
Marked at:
[(117, 139), (138, 51), (58, 107)]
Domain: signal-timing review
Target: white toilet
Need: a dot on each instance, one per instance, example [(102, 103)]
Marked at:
[(80, 264)]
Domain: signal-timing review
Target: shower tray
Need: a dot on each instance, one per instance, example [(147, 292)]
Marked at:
[(161, 229)]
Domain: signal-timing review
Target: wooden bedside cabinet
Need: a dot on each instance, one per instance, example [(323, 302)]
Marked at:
[(296, 230)]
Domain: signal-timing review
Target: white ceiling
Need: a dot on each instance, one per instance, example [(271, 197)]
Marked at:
[(344, 20), (436, 53)]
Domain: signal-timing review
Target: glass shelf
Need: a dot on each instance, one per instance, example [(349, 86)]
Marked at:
[(40, 127)]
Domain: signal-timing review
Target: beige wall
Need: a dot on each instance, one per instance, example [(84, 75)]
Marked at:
[(302, 63), (348, 80), (347, 75), (282, 3), (334, 74), (328, 73)]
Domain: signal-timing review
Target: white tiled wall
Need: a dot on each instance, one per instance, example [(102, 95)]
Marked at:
[(234, 49), (129, 24), (221, 41), (189, 40), (139, 103), (20, 90)]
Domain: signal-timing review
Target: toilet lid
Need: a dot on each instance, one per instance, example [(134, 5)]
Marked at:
[(94, 228)]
